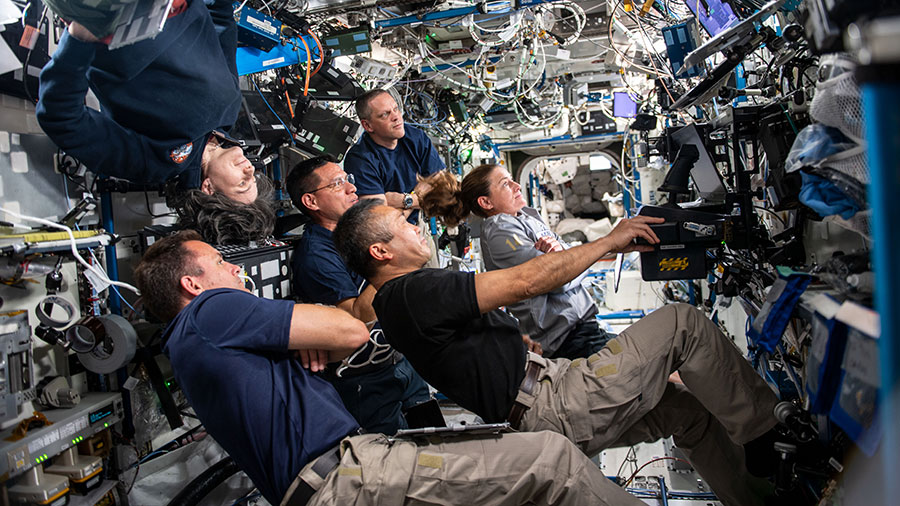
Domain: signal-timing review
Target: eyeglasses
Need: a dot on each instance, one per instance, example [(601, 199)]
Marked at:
[(226, 142), (337, 184)]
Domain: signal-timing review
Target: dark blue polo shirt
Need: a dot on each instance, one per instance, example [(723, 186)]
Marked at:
[(378, 169), (229, 352), (320, 274)]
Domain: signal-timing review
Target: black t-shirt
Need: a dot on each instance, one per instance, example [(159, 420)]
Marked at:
[(477, 360)]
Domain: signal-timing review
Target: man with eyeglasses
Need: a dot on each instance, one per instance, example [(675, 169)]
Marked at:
[(375, 383), (233, 355)]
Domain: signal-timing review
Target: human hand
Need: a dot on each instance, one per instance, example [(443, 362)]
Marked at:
[(81, 33), (314, 360), (532, 346), (547, 244), (622, 238)]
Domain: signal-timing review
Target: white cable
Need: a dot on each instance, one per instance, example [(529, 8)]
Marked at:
[(93, 269), (245, 278)]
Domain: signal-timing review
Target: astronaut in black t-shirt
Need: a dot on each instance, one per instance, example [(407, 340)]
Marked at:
[(449, 326)]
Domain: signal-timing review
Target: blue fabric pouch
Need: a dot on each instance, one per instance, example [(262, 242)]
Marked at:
[(768, 326)]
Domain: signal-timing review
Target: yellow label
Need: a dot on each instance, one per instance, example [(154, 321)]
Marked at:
[(349, 471), (606, 370), (435, 461), (614, 346), (673, 264)]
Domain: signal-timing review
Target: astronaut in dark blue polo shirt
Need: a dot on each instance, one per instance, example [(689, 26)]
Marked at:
[(390, 154), (376, 383)]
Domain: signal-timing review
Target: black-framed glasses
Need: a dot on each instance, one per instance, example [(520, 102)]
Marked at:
[(337, 184), (226, 142)]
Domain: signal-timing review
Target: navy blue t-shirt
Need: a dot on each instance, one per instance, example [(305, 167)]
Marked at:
[(229, 352), (320, 274), (378, 169), (160, 98)]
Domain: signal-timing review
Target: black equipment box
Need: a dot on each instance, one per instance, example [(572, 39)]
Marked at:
[(684, 239), (598, 123), (320, 131), (269, 266)]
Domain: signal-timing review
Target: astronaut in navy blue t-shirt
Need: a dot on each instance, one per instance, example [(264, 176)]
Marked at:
[(390, 154), (376, 384), (162, 101)]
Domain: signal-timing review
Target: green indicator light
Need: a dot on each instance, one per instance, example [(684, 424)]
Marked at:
[(106, 425)]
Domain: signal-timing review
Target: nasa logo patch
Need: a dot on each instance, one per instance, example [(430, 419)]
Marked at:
[(181, 153)]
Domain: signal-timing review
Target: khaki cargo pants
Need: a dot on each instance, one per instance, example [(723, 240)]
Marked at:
[(519, 468), (620, 396)]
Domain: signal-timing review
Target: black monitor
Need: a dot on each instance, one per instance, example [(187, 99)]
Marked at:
[(708, 88), (707, 180), (332, 84), (263, 119), (321, 131), (715, 15)]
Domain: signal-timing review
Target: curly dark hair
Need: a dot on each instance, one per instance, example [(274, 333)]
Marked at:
[(158, 274), (451, 200), (358, 229), (223, 221)]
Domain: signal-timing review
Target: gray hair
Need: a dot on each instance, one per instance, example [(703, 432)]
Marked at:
[(363, 111)]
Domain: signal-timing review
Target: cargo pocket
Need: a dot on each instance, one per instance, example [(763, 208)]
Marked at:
[(611, 395)]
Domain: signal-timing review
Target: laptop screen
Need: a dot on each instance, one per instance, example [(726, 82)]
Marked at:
[(714, 15)]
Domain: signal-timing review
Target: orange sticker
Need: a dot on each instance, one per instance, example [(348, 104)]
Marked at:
[(29, 37)]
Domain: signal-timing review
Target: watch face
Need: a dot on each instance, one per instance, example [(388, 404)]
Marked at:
[(407, 201)]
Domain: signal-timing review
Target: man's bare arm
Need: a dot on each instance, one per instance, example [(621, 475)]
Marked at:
[(547, 272), (326, 328), (361, 307)]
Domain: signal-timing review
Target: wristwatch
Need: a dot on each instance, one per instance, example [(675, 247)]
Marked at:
[(407, 201)]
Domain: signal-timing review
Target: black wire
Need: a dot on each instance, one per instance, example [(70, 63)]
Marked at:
[(28, 58), (251, 494), (149, 211), (137, 469)]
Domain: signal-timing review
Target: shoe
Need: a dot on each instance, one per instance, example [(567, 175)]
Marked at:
[(760, 455)]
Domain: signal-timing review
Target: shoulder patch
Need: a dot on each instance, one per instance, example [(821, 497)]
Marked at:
[(181, 153)]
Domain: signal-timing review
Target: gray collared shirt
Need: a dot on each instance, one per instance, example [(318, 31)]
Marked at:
[(507, 241)]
